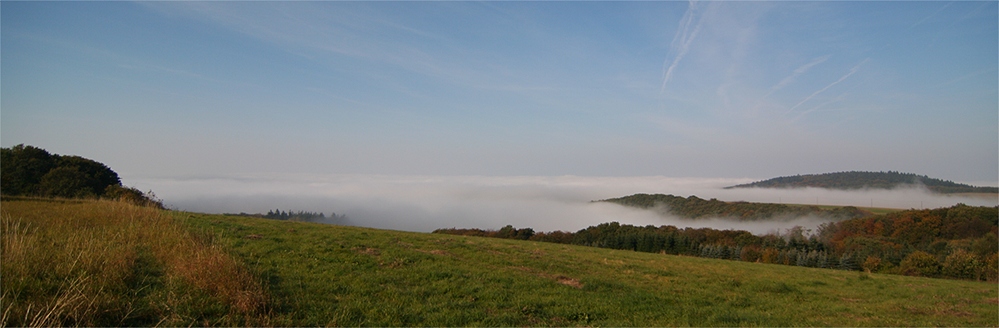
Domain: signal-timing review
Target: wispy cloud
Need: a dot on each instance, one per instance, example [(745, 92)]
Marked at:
[(120, 60), (316, 33), (681, 42), (816, 93)]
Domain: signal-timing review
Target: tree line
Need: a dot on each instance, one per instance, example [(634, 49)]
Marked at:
[(694, 207), (305, 216), (34, 172), (956, 242)]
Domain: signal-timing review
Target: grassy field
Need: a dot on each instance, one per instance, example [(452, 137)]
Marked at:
[(332, 275), (322, 275)]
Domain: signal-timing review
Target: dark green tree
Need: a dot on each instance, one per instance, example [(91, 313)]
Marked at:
[(524, 234), (507, 232), (32, 171), (99, 176), (22, 168), (66, 182), (847, 262)]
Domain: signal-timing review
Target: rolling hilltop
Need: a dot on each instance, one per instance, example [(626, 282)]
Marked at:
[(860, 180)]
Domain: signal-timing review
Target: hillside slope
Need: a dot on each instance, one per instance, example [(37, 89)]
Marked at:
[(335, 275), (860, 180), (313, 274)]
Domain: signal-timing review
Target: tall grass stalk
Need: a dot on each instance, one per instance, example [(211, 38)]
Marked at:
[(108, 263)]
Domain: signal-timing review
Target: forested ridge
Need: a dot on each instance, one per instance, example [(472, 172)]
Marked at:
[(694, 207), (34, 172), (955, 242), (860, 180)]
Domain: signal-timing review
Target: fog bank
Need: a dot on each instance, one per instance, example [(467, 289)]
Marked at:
[(425, 203)]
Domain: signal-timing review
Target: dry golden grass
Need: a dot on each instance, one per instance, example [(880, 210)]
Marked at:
[(107, 263)]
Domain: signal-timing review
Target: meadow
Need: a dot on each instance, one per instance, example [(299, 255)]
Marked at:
[(181, 268)]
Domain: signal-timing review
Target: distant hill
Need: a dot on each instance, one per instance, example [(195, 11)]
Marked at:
[(694, 207), (860, 180)]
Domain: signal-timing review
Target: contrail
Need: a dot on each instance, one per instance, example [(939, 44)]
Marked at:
[(852, 70), (965, 77), (682, 39), (931, 15), (839, 98), (790, 78), (798, 71)]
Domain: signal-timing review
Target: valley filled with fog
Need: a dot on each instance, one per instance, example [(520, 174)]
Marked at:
[(425, 203)]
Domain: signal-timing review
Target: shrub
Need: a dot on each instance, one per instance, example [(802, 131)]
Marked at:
[(872, 264), (750, 254), (990, 267), (961, 264), (770, 255), (920, 263), (986, 245), (132, 196)]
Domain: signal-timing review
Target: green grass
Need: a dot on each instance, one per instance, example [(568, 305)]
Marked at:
[(348, 276), (100, 263)]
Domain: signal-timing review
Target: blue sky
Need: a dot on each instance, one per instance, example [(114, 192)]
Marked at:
[(680, 89)]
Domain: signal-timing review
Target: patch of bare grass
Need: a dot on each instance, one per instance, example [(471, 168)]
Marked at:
[(368, 251), (569, 282)]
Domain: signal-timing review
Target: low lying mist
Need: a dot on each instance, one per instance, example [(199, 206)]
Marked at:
[(425, 203)]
